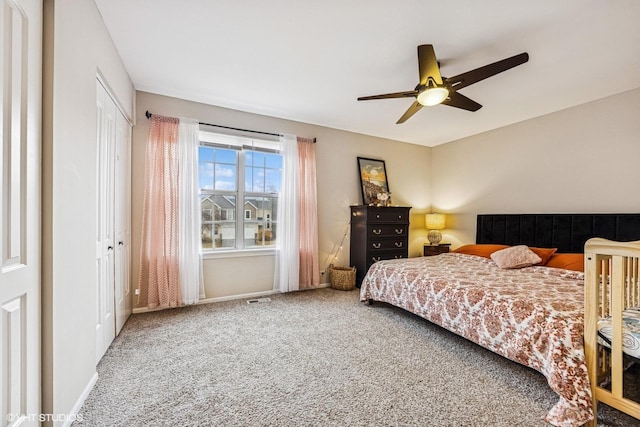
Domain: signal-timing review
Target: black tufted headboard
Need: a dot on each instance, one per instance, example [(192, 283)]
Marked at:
[(567, 232)]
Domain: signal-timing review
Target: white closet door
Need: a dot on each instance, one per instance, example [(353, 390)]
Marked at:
[(105, 241), (20, 193), (113, 222), (123, 302)]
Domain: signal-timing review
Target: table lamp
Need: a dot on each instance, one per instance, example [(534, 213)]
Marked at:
[(434, 222)]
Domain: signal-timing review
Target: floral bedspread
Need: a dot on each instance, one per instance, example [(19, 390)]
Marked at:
[(533, 315)]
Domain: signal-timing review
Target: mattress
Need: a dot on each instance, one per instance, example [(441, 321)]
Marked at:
[(630, 332)]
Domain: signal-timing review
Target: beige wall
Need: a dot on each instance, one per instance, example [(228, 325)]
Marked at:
[(338, 186), (77, 48), (583, 159)]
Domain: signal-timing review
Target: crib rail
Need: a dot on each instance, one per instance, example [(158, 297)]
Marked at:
[(612, 284)]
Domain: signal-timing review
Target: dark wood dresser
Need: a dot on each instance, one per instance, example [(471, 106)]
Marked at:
[(377, 233)]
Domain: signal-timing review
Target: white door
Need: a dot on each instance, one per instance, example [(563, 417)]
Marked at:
[(105, 242), (122, 221), (20, 192)]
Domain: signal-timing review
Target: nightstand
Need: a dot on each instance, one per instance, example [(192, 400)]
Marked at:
[(430, 250)]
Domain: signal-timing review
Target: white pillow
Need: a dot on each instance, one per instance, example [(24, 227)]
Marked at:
[(515, 257)]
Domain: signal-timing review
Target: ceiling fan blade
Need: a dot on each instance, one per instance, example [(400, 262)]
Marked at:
[(474, 76), (415, 107), (390, 95), (458, 100), (428, 65)]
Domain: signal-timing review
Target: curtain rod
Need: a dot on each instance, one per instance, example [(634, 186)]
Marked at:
[(148, 115)]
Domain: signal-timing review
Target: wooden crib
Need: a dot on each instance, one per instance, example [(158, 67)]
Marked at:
[(612, 285)]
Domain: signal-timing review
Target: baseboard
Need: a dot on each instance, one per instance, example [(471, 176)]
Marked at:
[(226, 298), (239, 296), (250, 295), (75, 411)]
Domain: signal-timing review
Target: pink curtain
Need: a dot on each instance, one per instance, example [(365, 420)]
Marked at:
[(158, 280), (308, 214)]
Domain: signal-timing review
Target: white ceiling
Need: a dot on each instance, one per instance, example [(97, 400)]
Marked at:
[(309, 60)]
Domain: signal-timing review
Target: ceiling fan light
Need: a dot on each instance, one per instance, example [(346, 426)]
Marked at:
[(433, 96)]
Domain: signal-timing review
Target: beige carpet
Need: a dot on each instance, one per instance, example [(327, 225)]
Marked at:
[(313, 358)]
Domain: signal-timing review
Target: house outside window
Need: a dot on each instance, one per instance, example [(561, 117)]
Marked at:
[(240, 181)]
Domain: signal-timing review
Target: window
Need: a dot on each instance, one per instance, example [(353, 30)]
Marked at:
[(240, 180)]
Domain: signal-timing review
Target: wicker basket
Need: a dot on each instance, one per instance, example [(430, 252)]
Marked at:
[(343, 278)]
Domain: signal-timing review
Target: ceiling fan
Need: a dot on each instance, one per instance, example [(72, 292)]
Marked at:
[(434, 89)]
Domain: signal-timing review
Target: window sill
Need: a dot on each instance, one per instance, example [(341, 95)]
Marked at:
[(241, 253)]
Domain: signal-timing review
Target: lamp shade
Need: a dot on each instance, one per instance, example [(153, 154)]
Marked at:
[(434, 221)]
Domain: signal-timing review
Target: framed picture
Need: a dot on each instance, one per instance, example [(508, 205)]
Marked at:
[(373, 181)]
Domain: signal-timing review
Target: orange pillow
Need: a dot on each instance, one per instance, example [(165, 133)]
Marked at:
[(544, 254), (567, 261), (484, 250)]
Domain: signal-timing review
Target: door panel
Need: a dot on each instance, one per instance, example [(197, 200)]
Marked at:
[(105, 242), (20, 174), (123, 302)]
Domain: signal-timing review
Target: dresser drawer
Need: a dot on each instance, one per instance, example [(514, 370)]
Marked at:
[(380, 256), (387, 230), (389, 215), (387, 244)]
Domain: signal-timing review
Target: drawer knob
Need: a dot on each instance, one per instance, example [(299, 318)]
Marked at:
[(399, 216), (377, 231), (399, 230), (398, 244), (378, 216), (375, 258), (376, 245), (398, 256)]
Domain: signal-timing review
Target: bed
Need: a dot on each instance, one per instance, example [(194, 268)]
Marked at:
[(532, 315), (612, 319)]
